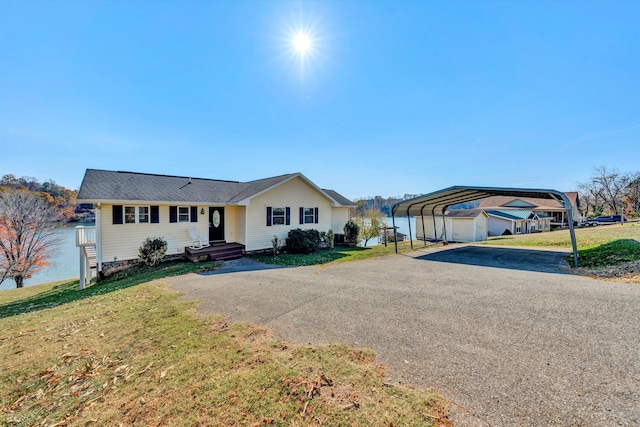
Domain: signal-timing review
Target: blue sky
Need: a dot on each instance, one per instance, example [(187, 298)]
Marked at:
[(393, 98)]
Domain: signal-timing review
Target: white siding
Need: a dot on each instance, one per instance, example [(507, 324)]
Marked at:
[(122, 241), (481, 228), (498, 225), (293, 194), (458, 229), (339, 218), (428, 227), (240, 232), (463, 229)]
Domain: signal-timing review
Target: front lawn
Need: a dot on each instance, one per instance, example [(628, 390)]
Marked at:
[(130, 353), (606, 251), (338, 254)]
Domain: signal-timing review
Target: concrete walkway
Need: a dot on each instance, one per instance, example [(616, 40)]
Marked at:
[(506, 335)]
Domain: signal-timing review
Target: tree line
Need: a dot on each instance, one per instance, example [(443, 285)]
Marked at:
[(610, 191), (62, 199)]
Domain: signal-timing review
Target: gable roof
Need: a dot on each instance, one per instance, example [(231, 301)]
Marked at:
[(464, 213), (339, 198), (117, 186), (498, 202), (510, 214), (519, 203)]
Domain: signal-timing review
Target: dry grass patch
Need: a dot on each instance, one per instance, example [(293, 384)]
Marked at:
[(137, 356)]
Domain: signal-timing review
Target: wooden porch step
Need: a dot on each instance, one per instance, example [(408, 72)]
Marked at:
[(217, 251), (90, 253)]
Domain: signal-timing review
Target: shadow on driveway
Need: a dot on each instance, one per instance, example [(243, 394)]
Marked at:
[(239, 265), (511, 258)]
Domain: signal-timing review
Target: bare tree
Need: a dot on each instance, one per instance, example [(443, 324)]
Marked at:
[(370, 221), (28, 235), (632, 195)]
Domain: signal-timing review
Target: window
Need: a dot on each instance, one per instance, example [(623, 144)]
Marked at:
[(309, 218), (143, 214), (183, 214), (129, 214), (278, 216)]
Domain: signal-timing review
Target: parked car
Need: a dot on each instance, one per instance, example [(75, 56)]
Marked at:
[(603, 219)]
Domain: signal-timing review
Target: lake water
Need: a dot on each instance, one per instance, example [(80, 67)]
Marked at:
[(66, 262), (64, 265), (403, 227)]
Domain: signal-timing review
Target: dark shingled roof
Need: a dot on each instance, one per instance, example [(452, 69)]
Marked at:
[(464, 213), (117, 185), (339, 198)]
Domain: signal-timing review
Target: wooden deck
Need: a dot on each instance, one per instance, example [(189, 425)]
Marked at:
[(216, 252)]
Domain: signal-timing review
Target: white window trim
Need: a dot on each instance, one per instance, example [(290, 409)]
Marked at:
[(136, 214), (313, 215), (188, 208), (124, 215), (148, 221), (284, 216)]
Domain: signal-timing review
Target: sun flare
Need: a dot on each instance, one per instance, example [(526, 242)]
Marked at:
[(301, 43)]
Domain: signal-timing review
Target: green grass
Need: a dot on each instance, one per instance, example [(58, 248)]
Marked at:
[(126, 352), (605, 245), (338, 254), (40, 297)]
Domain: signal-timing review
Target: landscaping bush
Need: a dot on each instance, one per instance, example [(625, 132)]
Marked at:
[(152, 251), (329, 238), (275, 243), (351, 232), (303, 241)]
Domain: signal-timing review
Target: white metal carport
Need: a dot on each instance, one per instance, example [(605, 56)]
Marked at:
[(439, 201)]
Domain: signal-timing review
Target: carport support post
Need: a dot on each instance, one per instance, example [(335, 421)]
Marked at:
[(444, 225), (424, 233), (409, 222), (572, 233), (435, 231), (395, 233)]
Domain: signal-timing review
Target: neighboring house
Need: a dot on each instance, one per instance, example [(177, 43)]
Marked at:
[(133, 206), (545, 207), (516, 221), (460, 225)]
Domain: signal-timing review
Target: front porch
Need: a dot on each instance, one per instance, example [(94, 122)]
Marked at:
[(218, 251), (86, 242)]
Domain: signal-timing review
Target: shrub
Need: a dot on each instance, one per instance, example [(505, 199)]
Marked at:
[(275, 243), (303, 241), (329, 239), (152, 251), (351, 231), (507, 232)]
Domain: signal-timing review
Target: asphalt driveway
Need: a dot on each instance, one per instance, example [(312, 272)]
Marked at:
[(508, 342)]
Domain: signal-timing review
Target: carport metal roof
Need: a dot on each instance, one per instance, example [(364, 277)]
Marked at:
[(438, 202)]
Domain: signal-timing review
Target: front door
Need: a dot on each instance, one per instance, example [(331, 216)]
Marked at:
[(216, 224)]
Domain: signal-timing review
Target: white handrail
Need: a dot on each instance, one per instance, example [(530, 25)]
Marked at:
[(85, 236)]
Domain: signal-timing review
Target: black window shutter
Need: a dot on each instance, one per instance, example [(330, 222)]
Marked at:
[(117, 214), (288, 216), (173, 214), (155, 214), (301, 215), (269, 216), (194, 214), (316, 215)]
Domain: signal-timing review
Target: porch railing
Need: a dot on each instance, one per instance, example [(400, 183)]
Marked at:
[(85, 236)]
